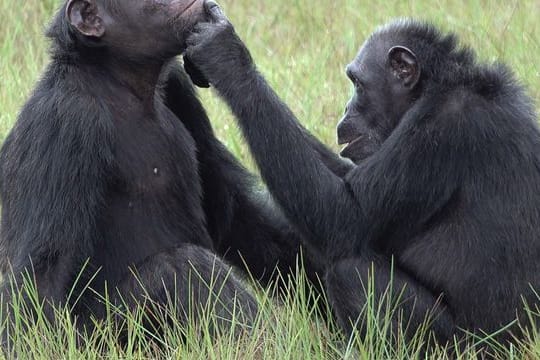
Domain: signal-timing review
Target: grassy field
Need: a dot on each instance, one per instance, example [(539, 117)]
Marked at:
[(302, 47)]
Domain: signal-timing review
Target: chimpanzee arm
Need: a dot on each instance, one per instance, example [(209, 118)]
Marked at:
[(247, 228), (340, 213), (306, 189), (337, 165), (340, 167), (53, 168)]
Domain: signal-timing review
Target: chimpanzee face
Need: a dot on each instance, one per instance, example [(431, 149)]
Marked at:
[(385, 77), (136, 28)]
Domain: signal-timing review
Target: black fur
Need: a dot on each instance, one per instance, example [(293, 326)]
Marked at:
[(91, 172), (450, 195)]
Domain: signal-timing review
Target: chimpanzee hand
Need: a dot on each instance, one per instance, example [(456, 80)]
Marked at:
[(214, 51), (195, 74)]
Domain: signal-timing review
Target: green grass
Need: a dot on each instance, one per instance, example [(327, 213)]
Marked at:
[(302, 47)]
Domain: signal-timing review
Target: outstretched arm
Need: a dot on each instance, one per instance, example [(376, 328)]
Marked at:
[(340, 167), (336, 164), (342, 213), (306, 189)]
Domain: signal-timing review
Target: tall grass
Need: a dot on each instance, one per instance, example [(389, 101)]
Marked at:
[(294, 325), (302, 47)]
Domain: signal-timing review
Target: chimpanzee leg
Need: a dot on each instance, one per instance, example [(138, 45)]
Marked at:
[(190, 281), (350, 281)]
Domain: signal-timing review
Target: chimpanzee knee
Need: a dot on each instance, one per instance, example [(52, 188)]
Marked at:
[(357, 286), (345, 291), (194, 283)]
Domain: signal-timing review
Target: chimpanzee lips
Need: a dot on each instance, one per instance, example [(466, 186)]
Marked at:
[(352, 145), (348, 138)]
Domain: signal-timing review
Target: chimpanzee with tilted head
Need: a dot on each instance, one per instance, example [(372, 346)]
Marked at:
[(443, 197), (113, 161)]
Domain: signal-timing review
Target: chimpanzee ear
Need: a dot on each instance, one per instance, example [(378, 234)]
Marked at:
[(404, 66), (84, 15)]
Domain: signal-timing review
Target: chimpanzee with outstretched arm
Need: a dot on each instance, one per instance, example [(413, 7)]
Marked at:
[(445, 200)]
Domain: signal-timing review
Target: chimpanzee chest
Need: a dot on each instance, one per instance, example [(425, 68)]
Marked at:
[(154, 203), (156, 159)]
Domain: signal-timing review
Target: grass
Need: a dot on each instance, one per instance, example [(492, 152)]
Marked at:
[(302, 47)]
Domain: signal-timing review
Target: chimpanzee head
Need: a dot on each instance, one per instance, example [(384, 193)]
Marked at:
[(134, 28), (386, 77)]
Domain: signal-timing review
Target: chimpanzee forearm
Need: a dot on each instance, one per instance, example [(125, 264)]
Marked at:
[(305, 188), (340, 167), (176, 84), (180, 97)]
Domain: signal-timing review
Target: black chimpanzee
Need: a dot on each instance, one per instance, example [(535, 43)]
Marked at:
[(451, 192), (113, 161)]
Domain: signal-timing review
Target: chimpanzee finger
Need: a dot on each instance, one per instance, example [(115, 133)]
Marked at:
[(195, 74), (214, 12)]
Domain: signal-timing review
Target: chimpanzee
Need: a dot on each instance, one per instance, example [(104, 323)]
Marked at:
[(113, 164), (445, 203)]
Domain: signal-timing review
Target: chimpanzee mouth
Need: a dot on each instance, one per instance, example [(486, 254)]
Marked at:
[(350, 145), (358, 149), (347, 139)]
